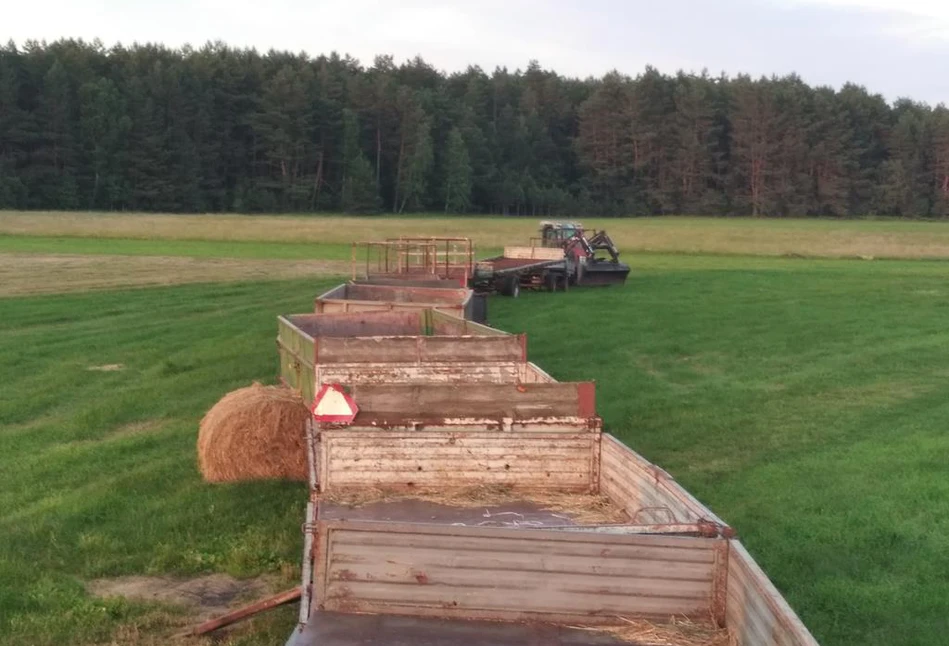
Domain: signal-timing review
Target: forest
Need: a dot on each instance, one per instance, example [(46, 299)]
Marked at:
[(223, 129)]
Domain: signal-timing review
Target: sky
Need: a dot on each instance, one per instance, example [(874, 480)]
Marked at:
[(898, 48)]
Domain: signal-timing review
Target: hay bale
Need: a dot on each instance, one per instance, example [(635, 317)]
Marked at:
[(254, 433)]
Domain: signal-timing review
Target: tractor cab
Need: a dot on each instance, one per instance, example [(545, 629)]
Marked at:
[(556, 234)]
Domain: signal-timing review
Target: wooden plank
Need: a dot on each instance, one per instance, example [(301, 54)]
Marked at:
[(755, 611), (470, 348), (446, 321), (612, 546), (531, 374), (538, 253), (378, 323), (415, 349), (479, 400), (405, 294), (559, 461), (374, 349), (418, 373), (401, 555), (635, 484), (535, 572)]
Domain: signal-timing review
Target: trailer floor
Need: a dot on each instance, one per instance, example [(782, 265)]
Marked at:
[(538, 510), (336, 629)]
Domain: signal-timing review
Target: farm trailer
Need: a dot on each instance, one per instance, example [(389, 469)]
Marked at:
[(387, 563), (516, 565), (427, 369), (370, 297), (524, 268), (407, 258)]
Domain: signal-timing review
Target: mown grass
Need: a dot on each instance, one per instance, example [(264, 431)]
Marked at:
[(804, 401), (171, 247), (796, 237), (97, 468)]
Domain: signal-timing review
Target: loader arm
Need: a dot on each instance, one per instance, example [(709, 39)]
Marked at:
[(602, 240)]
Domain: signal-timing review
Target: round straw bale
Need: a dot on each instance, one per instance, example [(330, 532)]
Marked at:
[(254, 433)]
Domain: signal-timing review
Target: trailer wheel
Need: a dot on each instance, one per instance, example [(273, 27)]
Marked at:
[(511, 287), (550, 281)]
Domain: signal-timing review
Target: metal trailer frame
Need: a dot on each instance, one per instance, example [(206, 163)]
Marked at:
[(524, 268), (407, 257)]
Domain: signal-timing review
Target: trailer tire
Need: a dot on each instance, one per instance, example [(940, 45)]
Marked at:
[(551, 280), (511, 287)]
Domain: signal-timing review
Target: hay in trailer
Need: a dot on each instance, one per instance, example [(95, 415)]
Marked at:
[(254, 433), (679, 631)]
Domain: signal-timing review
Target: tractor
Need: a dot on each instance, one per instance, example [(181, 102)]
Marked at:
[(594, 267)]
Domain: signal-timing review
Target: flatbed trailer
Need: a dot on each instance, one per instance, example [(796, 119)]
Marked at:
[(523, 268)]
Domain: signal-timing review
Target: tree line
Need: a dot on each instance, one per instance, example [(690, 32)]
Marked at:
[(150, 128)]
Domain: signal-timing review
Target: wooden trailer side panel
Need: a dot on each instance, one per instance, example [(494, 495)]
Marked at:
[(755, 611), (295, 349), (360, 324), (495, 372), (346, 306), (406, 293), (537, 253), (360, 297), (366, 459), (393, 402), (411, 349), (530, 373), (448, 323), (646, 492), (512, 574)]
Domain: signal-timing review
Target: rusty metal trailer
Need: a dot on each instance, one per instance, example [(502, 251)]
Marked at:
[(370, 297)]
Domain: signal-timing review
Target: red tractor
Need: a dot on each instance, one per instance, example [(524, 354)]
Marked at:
[(592, 269)]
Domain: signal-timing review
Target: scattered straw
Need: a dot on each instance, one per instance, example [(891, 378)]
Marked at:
[(254, 433), (108, 367), (678, 632), (586, 509)]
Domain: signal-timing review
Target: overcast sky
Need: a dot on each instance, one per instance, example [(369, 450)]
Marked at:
[(894, 47)]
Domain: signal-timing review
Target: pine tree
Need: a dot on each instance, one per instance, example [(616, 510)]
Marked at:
[(104, 127), (457, 174), (358, 194), (755, 144)]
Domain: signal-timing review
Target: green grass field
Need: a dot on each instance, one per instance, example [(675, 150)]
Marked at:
[(803, 400)]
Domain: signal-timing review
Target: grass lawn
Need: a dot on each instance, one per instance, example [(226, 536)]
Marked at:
[(152, 234), (803, 400), (171, 247)]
